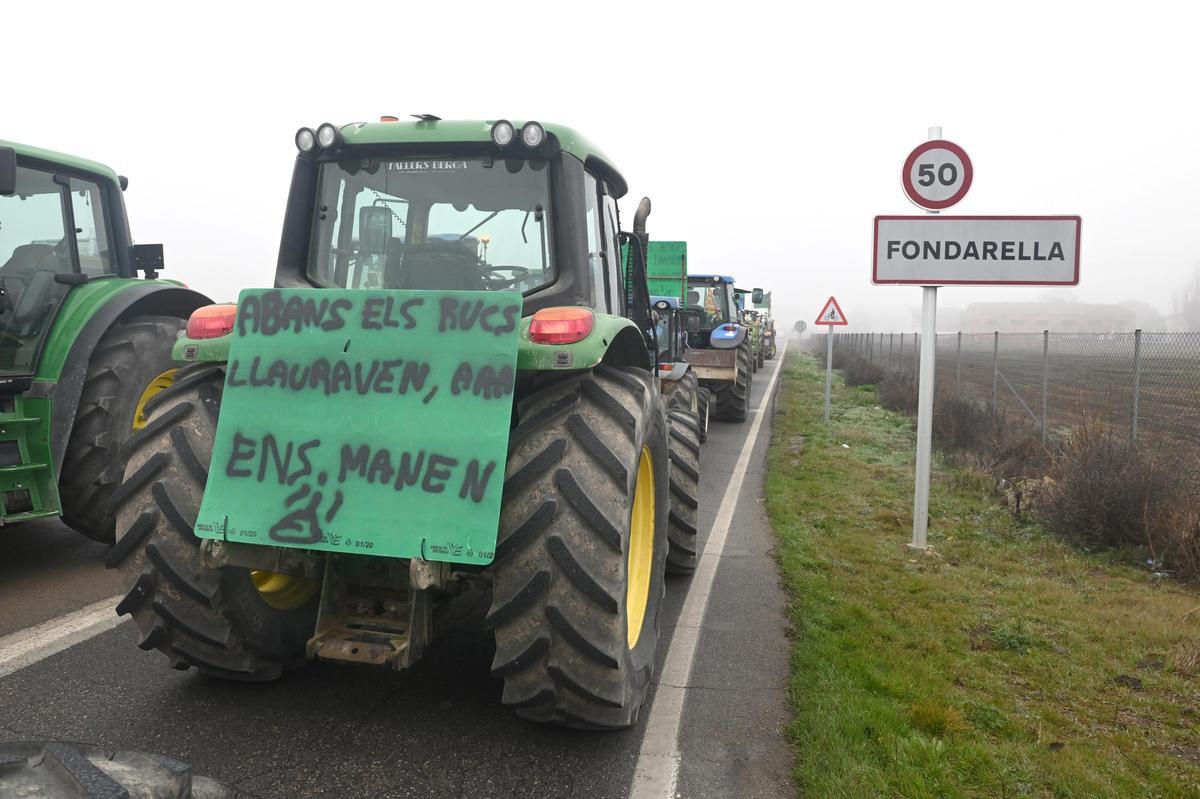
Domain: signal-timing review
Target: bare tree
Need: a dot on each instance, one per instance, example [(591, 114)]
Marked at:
[(1187, 302)]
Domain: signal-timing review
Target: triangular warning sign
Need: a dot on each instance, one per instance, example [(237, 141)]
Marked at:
[(831, 314)]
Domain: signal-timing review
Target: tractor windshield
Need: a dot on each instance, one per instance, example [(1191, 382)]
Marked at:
[(712, 300), (457, 223), (35, 248)]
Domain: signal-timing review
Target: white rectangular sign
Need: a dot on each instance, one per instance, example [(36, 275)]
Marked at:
[(977, 250)]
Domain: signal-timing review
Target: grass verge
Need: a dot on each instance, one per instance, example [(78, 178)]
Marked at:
[(1002, 663)]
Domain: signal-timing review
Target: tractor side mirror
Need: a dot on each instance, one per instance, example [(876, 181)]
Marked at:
[(757, 296), (147, 258), (374, 228), (8, 171)]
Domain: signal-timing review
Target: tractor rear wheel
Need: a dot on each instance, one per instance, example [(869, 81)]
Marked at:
[(131, 363), (705, 402), (686, 395), (685, 492), (227, 622), (579, 563), (733, 397)]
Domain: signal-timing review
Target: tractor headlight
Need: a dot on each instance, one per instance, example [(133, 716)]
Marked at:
[(328, 136), (532, 134), (306, 140), (502, 133)]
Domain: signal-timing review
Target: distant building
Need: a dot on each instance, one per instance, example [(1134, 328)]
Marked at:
[(1057, 317)]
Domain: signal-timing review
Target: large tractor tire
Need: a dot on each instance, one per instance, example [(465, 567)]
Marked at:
[(579, 565), (58, 770), (227, 622), (705, 403), (685, 492), (762, 359), (686, 395), (130, 364), (733, 397)]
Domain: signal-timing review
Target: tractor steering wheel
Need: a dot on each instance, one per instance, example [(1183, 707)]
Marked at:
[(495, 284)]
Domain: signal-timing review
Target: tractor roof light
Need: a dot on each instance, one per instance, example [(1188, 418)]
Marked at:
[(211, 321), (532, 135), (562, 325), (503, 133), (306, 140), (328, 136)]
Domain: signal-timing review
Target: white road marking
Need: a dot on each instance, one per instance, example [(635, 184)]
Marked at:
[(657, 768), (26, 647)]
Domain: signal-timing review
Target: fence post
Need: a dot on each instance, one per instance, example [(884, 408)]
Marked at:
[(1137, 382), (871, 348), (1045, 378), (958, 367), (900, 356), (995, 373)]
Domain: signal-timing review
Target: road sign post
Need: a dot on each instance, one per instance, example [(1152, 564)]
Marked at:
[(932, 250), (831, 316)]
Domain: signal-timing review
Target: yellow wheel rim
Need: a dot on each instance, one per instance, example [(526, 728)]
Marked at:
[(641, 549), (162, 381), (283, 591)]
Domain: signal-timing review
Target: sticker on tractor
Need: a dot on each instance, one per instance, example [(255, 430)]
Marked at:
[(372, 422)]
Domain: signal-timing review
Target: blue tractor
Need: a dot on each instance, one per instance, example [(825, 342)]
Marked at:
[(719, 346)]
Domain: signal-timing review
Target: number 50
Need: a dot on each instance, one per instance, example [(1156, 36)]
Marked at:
[(947, 174)]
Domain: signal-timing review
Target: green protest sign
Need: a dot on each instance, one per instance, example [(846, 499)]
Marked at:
[(373, 422)]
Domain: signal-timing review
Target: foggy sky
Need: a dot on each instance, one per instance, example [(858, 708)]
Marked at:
[(768, 139)]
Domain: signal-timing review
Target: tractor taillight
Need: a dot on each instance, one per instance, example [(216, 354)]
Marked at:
[(564, 325), (211, 321), (729, 328)]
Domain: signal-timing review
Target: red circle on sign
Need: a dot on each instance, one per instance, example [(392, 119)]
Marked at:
[(911, 190)]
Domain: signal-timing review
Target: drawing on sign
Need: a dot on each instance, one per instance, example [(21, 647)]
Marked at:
[(395, 434), (832, 314), (937, 174)]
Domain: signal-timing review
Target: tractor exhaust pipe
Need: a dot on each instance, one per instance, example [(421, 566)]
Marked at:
[(639, 220)]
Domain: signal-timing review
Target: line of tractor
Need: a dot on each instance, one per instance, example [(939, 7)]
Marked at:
[(465, 373)]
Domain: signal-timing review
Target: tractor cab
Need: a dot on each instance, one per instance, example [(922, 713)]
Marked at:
[(712, 299), (62, 223), (466, 206)]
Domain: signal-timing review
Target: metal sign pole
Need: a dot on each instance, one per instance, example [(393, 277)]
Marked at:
[(828, 367), (925, 389)]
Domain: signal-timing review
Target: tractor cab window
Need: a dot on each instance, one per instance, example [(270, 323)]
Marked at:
[(34, 248), (470, 224), (711, 300), (595, 237), (91, 229)]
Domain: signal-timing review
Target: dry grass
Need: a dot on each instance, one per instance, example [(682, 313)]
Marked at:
[(1008, 664)]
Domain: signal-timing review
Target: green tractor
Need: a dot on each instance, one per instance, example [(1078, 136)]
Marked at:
[(754, 321), (762, 303), (85, 343), (453, 382)]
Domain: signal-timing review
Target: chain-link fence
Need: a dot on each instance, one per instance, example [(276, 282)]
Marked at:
[(1145, 383)]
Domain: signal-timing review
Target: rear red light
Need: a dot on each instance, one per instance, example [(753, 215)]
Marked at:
[(666, 367), (729, 328), (564, 325), (211, 321)]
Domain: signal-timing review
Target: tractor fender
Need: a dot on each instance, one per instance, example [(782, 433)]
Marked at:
[(149, 299), (613, 340)]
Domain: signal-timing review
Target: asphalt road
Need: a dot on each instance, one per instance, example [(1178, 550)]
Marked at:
[(437, 731)]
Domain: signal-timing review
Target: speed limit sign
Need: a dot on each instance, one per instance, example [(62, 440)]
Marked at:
[(937, 174)]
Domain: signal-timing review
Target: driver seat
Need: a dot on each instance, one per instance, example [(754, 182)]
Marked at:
[(442, 266)]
